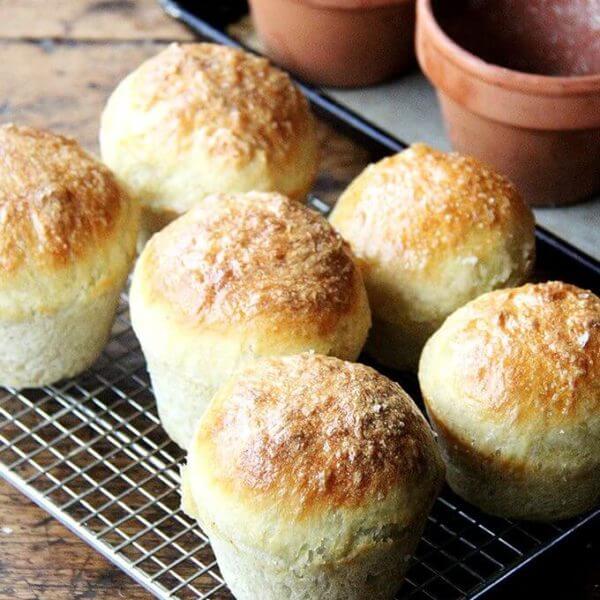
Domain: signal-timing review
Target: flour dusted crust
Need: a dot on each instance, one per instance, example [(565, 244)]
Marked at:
[(67, 242), (202, 118), (56, 201), (511, 382), (66, 226), (241, 276), (434, 230), (243, 104), (237, 257), (323, 460), (315, 433)]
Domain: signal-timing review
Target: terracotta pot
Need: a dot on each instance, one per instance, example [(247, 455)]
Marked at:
[(541, 127), (338, 42)]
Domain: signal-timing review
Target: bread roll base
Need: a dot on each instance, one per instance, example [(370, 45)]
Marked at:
[(180, 400), (45, 348), (375, 573), (183, 391), (313, 478), (199, 119), (239, 277), (433, 230), (492, 483), (511, 383)]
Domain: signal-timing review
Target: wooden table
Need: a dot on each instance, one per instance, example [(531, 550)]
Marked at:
[(59, 60)]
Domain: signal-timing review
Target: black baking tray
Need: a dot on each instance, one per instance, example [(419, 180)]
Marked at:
[(464, 553)]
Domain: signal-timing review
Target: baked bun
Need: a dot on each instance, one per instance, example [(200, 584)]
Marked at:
[(203, 118), (67, 242), (238, 277), (313, 478), (511, 382), (434, 230)]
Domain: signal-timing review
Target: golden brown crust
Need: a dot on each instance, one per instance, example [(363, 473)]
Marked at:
[(56, 201), (235, 257), (241, 102), (532, 353), (313, 430), (421, 203)]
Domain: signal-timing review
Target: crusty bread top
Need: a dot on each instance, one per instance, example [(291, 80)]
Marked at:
[(314, 433), (529, 356), (56, 201), (420, 204), (235, 257), (239, 100)]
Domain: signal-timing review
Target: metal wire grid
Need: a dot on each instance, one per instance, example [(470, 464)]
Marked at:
[(92, 453)]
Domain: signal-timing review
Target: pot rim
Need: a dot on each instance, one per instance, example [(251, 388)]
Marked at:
[(547, 85), (352, 4)]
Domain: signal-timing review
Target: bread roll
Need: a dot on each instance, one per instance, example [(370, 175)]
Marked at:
[(203, 118), (238, 277), (511, 382), (313, 478), (67, 242), (434, 230)]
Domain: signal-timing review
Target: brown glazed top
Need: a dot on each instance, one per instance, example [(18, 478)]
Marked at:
[(543, 341), (56, 201), (420, 203), (235, 257), (309, 430), (239, 100)]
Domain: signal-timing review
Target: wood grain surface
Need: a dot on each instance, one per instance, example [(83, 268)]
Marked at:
[(40, 559), (109, 20), (59, 60)]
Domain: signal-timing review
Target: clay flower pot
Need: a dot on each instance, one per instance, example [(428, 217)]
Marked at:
[(338, 42), (519, 86)]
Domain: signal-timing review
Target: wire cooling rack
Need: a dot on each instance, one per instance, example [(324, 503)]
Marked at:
[(91, 452)]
